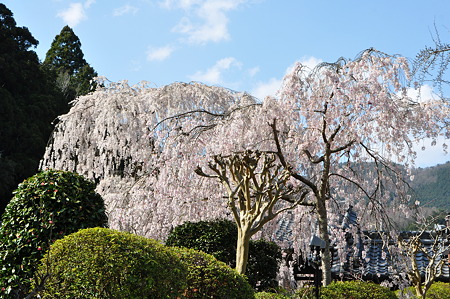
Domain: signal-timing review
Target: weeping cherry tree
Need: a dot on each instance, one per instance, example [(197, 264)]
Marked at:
[(345, 132), (339, 135)]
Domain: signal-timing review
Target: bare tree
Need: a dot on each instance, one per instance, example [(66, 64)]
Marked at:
[(431, 64), (422, 256)]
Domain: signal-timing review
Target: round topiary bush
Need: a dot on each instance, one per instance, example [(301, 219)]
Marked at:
[(209, 278), (104, 263), (45, 207), (356, 290)]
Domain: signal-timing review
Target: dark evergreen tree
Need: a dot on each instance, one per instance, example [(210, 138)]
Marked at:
[(66, 59), (29, 103), (17, 61)]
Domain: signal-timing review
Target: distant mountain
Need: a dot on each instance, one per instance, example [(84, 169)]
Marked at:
[(431, 186)]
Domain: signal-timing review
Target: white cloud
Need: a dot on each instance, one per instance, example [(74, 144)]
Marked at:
[(264, 89), (214, 74), (431, 155), (88, 3), (126, 9), (424, 94), (76, 13), (210, 23), (159, 54), (270, 88), (310, 62), (73, 15), (184, 4)]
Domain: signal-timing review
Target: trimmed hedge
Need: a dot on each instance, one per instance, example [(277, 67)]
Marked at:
[(45, 207), (104, 263), (219, 237), (209, 278), (356, 290)]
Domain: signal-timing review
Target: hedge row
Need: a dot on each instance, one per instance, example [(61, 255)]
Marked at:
[(104, 263), (337, 290)]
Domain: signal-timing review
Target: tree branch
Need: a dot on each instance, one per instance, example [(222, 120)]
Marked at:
[(283, 162)]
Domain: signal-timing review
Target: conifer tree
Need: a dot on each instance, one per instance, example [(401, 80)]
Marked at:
[(29, 103), (66, 59)]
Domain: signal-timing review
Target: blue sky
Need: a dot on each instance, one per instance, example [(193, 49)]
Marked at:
[(246, 45)]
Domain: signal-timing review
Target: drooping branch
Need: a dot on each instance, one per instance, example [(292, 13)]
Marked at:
[(212, 124)]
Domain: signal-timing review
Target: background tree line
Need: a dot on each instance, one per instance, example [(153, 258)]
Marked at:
[(32, 95)]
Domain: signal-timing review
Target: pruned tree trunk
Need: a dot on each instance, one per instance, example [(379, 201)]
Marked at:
[(255, 184), (242, 249)]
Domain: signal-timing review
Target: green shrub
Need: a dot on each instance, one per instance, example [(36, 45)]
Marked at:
[(45, 207), (305, 292), (219, 238), (267, 295), (438, 290), (263, 264), (216, 237), (209, 278), (104, 263), (356, 290)]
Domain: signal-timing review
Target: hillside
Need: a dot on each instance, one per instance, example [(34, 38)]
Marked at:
[(431, 186)]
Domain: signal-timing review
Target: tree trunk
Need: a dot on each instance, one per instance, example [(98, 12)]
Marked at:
[(242, 249), (323, 234), (419, 291)]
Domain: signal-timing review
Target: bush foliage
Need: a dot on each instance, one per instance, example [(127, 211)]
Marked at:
[(45, 207), (268, 295), (263, 264), (209, 278), (438, 290), (219, 237), (356, 290), (216, 237), (104, 263)]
